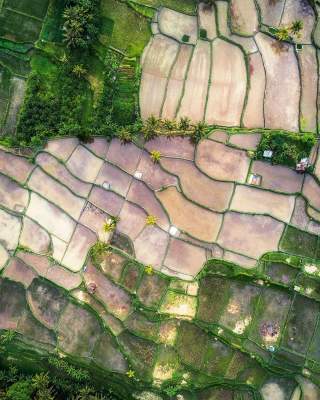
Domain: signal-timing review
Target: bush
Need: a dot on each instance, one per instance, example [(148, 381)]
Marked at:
[(288, 148), (21, 390), (124, 111), (185, 38), (203, 34)]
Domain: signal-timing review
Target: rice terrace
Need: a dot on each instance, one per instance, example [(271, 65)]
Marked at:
[(159, 200)]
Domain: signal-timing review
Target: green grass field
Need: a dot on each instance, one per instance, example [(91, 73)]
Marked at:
[(186, 6), (51, 30), (124, 28), (19, 28), (35, 8)]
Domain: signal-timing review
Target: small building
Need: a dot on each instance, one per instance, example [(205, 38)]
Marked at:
[(268, 154), (255, 179), (302, 165)]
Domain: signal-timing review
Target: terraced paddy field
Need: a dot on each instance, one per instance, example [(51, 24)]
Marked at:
[(229, 64), (163, 263), (222, 288)]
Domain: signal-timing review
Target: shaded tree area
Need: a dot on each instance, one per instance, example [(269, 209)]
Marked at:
[(81, 23)]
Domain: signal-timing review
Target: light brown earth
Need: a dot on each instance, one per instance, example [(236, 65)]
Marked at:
[(62, 148), (116, 300), (18, 271), (34, 237), (244, 261), (15, 167), (250, 235), (132, 220), (311, 191), (256, 201), (99, 146), (12, 195), (196, 221), (176, 82), (271, 11), (196, 83), (10, 230), (105, 200), (300, 10), (176, 147), (153, 175), (111, 176), (54, 168), (50, 217), (254, 111), (125, 156), (245, 141), (309, 83), (283, 83), (84, 164), (192, 202), (227, 90), (176, 25), (221, 162), (94, 218), (244, 17), (222, 8), (76, 254), (184, 257), (156, 70), (207, 20), (217, 82), (56, 193), (198, 187), (151, 245), (299, 216), (277, 177), (140, 194), (219, 136)]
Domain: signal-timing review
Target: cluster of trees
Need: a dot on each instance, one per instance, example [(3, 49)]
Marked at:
[(15, 385), (81, 23), (52, 108), (288, 148), (289, 32), (153, 127), (62, 381)]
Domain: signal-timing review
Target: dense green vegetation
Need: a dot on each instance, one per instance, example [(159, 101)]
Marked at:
[(81, 23), (123, 28), (288, 148), (78, 85), (63, 380), (186, 6)]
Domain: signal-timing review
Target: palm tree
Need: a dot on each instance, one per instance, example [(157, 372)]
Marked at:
[(170, 125), (73, 29), (79, 70), (124, 135), (41, 383), (296, 27), (149, 127), (184, 123), (198, 132), (283, 34)]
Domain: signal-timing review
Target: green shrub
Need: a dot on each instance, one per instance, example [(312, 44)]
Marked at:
[(74, 373), (198, 132), (288, 148), (185, 38), (123, 111), (21, 390), (203, 34)]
